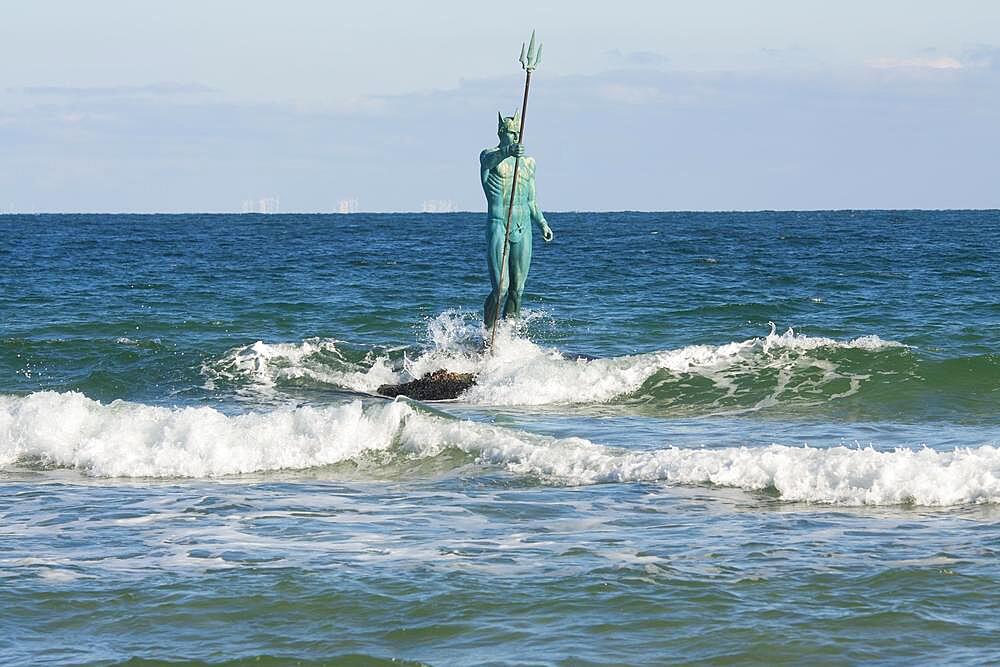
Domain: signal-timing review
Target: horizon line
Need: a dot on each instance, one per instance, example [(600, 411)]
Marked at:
[(482, 212)]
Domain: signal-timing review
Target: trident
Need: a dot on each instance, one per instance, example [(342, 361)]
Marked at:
[(529, 61)]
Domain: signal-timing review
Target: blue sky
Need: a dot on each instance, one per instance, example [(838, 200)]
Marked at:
[(137, 105)]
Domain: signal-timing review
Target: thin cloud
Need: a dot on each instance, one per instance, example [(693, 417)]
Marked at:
[(623, 93), (939, 63), (659, 139), (983, 55), (636, 58), (150, 89)]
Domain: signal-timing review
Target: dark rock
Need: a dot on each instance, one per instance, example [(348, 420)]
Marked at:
[(436, 386)]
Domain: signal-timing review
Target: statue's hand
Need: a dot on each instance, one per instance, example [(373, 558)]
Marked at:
[(546, 232), (515, 150)]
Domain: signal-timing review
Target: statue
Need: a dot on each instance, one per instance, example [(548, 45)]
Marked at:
[(508, 178), (497, 169)]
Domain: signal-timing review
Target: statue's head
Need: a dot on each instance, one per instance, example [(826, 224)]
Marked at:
[(508, 128)]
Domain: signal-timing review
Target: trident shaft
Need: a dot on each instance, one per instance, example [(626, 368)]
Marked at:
[(530, 57)]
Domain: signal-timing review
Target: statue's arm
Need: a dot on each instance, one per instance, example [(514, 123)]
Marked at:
[(491, 157), (536, 213)]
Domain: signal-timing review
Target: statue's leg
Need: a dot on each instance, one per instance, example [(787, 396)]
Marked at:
[(520, 262), (494, 255)]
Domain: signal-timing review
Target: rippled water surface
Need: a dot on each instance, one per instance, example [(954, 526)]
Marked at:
[(764, 437)]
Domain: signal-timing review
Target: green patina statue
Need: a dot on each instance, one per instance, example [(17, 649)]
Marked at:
[(496, 166)]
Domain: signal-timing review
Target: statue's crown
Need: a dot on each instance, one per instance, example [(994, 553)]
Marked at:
[(509, 123)]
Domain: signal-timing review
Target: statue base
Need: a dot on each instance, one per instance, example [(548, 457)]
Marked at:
[(437, 386)]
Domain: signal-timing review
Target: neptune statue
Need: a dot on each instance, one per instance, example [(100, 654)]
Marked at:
[(497, 169)]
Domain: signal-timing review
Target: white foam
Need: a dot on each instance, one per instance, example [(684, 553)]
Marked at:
[(521, 372), (266, 364), (133, 440), (793, 341)]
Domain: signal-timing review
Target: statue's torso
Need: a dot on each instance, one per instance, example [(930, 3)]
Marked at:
[(497, 183)]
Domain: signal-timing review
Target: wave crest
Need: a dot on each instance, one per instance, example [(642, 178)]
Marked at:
[(133, 440), (745, 375)]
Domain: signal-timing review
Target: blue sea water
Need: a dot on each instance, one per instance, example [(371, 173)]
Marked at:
[(764, 437)]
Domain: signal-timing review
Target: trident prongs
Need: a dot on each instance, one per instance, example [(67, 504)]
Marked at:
[(531, 56)]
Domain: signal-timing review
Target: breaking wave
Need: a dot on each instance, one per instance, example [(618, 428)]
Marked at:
[(122, 439), (762, 372)]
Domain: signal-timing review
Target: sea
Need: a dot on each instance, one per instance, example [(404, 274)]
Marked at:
[(710, 438)]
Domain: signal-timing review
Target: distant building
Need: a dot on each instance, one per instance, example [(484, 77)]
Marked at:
[(439, 206), (263, 205), (347, 206)]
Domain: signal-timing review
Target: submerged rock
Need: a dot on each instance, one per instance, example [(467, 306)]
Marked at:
[(437, 386)]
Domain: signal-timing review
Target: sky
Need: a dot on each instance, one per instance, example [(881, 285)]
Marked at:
[(183, 105)]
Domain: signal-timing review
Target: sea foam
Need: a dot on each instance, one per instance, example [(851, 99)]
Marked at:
[(522, 372), (123, 439), (267, 365)]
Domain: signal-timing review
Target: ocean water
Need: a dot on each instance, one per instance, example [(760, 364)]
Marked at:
[(713, 437)]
